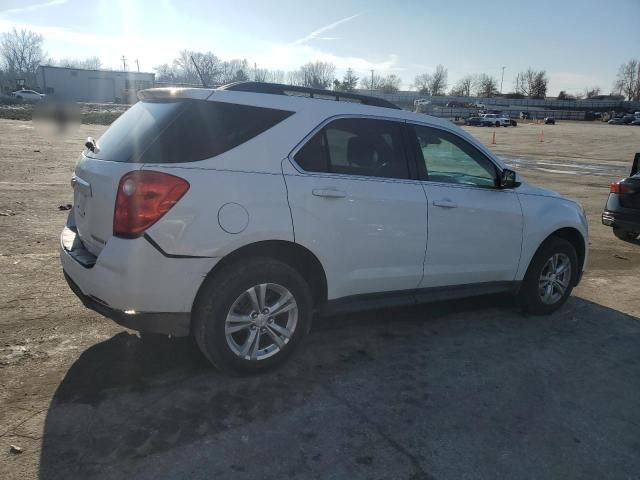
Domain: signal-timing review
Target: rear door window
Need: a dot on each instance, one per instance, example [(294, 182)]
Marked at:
[(183, 131), (357, 146)]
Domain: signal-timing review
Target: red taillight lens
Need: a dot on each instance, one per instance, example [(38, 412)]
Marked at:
[(143, 198), (621, 187)]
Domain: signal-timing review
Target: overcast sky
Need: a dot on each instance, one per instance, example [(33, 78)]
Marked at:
[(580, 43)]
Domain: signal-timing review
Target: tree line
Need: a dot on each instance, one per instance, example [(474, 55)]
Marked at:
[(21, 52)]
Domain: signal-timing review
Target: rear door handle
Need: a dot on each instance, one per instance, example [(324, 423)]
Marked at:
[(445, 203), (328, 193)]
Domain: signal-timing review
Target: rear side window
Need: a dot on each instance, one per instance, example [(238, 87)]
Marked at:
[(183, 131), (356, 146)]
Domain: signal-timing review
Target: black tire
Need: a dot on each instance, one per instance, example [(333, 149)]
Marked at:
[(529, 294), (497, 124), (626, 235), (217, 296)]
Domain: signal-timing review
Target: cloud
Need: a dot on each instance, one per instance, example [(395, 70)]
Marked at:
[(31, 8), (326, 28)]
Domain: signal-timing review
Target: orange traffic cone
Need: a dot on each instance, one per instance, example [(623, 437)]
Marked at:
[(541, 135), (493, 142)]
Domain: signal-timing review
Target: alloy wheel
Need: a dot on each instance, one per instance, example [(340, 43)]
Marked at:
[(555, 278), (261, 321)]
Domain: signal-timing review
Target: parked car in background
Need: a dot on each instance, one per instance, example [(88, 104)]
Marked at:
[(627, 119), (233, 214), (494, 120), (636, 121), (622, 211), (549, 121), (473, 121), (28, 95), (616, 121)]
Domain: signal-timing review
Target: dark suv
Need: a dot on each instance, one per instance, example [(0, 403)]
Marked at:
[(623, 206)]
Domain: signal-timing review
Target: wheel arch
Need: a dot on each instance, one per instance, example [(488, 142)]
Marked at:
[(575, 238), (293, 254)]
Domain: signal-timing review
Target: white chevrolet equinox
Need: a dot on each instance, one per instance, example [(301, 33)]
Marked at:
[(233, 214)]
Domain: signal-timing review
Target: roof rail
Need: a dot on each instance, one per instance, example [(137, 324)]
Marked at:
[(281, 89)]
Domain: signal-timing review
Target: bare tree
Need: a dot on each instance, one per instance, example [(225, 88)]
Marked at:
[(233, 71), (592, 92), (628, 80), (532, 83), (432, 83), (318, 74), (438, 82), (89, 63), (297, 78), (209, 65), (390, 84), (463, 86), (421, 83), (485, 85), (21, 54)]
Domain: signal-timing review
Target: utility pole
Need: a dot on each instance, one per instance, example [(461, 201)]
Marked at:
[(255, 72), (124, 64), (138, 65), (502, 79), (372, 79)]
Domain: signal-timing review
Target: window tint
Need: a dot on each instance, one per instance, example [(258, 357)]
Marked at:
[(357, 146), (312, 157), (183, 131), (448, 158)]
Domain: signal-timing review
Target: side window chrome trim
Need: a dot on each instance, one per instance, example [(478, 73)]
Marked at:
[(323, 124)]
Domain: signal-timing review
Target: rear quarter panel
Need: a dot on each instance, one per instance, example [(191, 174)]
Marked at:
[(192, 226)]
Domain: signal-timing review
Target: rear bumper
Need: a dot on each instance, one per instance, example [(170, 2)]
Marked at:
[(133, 283), (175, 324), (624, 221)]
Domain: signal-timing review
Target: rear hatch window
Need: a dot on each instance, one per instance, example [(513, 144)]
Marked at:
[(182, 131)]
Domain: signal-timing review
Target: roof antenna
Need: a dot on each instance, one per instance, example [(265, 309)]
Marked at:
[(204, 84)]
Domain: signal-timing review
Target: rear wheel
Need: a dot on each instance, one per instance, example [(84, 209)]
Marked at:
[(497, 124), (550, 278), (250, 316)]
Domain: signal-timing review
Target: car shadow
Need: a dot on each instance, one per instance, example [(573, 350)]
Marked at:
[(125, 400)]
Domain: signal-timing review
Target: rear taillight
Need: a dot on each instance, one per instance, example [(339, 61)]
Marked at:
[(621, 187), (143, 198)]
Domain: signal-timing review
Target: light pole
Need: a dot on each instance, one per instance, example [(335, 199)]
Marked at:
[(502, 79), (372, 79)]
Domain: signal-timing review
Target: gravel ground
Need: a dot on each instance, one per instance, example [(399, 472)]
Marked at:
[(467, 389)]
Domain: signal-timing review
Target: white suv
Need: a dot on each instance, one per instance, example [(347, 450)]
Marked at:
[(494, 120), (234, 214)]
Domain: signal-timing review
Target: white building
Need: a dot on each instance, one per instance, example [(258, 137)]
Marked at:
[(99, 86)]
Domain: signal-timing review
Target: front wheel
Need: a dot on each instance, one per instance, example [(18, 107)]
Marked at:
[(497, 124), (250, 316), (550, 278)]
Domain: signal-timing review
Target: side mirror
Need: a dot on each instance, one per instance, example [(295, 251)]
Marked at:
[(508, 179), (635, 168)]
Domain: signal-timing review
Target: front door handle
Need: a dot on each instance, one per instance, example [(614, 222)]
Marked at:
[(445, 203), (328, 193)]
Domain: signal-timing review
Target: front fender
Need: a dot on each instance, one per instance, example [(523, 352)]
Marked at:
[(544, 215)]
